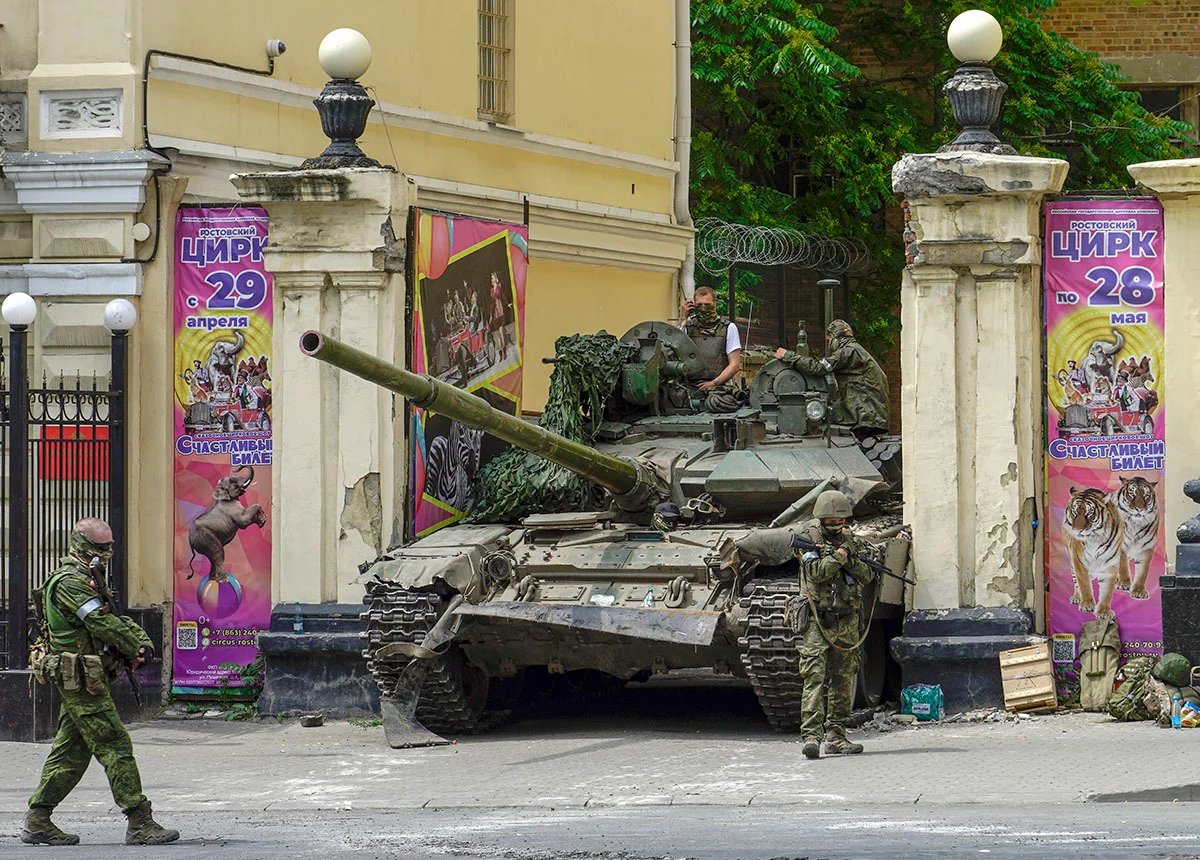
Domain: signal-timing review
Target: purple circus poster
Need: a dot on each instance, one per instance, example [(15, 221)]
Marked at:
[(1105, 541), (222, 394)]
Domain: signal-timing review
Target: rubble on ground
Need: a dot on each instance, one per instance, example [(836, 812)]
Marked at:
[(887, 719)]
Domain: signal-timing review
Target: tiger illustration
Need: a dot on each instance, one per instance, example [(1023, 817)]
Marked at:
[(1095, 537), (1137, 504)]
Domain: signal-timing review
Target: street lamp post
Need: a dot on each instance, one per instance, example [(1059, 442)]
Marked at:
[(976, 94), (119, 317), (19, 311), (343, 104)]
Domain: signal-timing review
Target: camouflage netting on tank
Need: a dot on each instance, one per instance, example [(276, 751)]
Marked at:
[(517, 483)]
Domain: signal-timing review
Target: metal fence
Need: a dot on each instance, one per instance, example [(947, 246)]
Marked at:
[(56, 467)]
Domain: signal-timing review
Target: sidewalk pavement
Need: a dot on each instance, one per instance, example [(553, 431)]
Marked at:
[(207, 765)]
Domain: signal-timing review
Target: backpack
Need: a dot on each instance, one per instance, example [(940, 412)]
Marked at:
[(1127, 702)]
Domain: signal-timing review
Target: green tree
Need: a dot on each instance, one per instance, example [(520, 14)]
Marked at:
[(843, 90)]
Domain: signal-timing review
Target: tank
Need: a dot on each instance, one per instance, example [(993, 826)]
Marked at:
[(461, 623)]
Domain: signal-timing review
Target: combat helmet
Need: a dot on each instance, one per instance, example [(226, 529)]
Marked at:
[(1173, 669), (832, 503)]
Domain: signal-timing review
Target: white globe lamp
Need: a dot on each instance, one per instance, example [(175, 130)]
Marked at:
[(19, 309), (343, 104), (976, 94), (345, 54), (975, 37), (119, 316)]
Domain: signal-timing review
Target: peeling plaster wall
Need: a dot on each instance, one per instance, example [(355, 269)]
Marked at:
[(972, 393)]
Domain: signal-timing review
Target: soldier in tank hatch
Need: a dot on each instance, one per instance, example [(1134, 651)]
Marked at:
[(862, 396), (720, 347)]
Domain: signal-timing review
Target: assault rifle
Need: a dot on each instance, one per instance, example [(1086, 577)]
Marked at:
[(100, 577), (878, 568)]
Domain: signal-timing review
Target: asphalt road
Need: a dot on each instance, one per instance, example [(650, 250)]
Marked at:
[(673, 772), (1014, 832)]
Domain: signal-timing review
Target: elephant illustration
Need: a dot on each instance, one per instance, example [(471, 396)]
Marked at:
[(210, 532), (221, 359), (1099, 359)]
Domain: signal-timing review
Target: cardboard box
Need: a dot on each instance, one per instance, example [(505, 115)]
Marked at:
[(1028, 678)]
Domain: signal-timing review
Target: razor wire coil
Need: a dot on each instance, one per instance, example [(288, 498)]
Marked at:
[(721, 244)]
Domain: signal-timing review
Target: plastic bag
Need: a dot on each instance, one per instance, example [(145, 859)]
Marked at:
[(923, 701)]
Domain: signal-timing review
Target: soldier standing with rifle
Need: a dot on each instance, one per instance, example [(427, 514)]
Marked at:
[(85, 644), (831, 581)]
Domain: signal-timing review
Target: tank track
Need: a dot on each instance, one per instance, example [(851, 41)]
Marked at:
[(398, 614), (769, 652)]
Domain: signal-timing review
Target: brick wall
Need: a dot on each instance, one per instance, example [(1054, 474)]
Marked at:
[(1120, 28)]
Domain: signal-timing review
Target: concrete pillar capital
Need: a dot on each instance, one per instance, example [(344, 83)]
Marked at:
[(948, 176), (1169, 179)]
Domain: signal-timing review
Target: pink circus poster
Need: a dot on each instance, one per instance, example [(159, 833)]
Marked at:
[(1105, 540), (222, 431), (468, 329)]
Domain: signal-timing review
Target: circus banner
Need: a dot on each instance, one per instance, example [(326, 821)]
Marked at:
[(222, 393), (1105, 541), (468, 329)]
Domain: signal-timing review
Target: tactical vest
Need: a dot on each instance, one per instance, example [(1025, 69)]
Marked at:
[(67, 632), (840, 594), (711, 347)]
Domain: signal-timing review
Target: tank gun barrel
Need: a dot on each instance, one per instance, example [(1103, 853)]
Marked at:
[(616, 474)]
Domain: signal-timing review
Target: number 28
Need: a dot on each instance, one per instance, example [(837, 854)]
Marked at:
[(1132, 286)]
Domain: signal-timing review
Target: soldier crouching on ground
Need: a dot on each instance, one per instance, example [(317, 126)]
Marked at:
[(84, 639), (720, 347), (831, 579), (862, 399)]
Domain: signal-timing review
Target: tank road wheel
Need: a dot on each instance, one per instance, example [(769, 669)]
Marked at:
[(455, 691), (769, 652)]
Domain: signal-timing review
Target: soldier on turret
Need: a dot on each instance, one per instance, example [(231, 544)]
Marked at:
[(862, 399), (720, 348)]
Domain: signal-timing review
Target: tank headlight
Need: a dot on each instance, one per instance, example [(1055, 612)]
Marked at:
[(815, 410)]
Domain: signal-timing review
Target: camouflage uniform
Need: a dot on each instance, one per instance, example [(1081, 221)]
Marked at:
[(829, 673), (83, 633), (862, 401)]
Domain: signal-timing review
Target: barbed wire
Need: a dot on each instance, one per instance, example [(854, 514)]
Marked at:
[(720, 244)]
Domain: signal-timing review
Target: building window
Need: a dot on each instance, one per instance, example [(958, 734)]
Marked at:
[(495, 60)]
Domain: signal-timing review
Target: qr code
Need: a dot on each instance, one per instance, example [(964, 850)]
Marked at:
[(1063, 649), (187, 636)]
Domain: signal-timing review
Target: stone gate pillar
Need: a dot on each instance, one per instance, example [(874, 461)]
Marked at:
[(972, 404), (337, 256), (1177, 184)]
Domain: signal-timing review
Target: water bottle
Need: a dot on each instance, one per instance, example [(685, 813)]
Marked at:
[(648, 600), (298, 620), (1176, 712)]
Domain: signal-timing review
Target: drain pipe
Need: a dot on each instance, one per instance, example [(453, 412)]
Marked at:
[(683, 138)]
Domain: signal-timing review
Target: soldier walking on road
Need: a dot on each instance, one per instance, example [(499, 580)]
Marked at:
[(86, 643), (831, 580)]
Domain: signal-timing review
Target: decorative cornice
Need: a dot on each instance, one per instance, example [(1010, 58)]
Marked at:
[(72, 279), (409, 118), (79, 182)]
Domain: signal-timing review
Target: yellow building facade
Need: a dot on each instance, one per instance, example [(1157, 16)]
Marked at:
[(113, 113)]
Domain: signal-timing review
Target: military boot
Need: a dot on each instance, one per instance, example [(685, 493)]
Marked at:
[(836, 743), (812, 748), (144, 830), (38, 829)]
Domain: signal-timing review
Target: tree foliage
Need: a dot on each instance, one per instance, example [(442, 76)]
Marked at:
[(843, 90)]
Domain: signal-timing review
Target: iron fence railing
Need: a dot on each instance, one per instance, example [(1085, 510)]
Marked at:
[(60, 444)]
